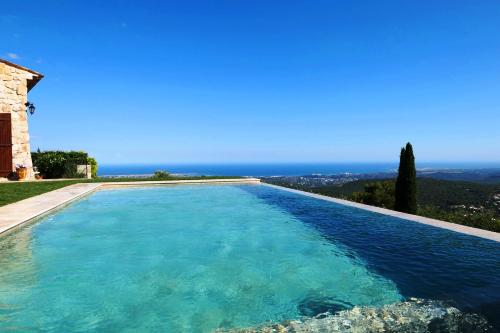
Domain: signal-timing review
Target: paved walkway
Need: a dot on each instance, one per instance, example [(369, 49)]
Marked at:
[(17, 213)]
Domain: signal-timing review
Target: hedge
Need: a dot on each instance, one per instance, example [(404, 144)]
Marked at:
[(62, 164)]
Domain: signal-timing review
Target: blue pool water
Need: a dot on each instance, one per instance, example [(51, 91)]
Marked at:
[(197, 258)]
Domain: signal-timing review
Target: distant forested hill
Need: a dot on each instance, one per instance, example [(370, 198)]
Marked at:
[(442, 193), (489, 176)]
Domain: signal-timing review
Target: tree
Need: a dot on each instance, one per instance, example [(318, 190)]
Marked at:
[(380, 194), (406, 183), (401, 186), (161, 174)]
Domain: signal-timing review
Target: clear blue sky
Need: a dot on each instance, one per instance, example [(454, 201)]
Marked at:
[(261, 81)]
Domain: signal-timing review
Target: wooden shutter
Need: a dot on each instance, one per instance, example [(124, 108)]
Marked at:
[(5, 144)]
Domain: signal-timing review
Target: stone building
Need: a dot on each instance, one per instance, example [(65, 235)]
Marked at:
[(15, 83)]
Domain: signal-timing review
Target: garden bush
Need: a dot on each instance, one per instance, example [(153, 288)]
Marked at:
[(61, 164), (93, 165), (161, 174)]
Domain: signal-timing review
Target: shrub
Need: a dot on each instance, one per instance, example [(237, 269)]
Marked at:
[(380, 193), (161, 174), (483, 218), (93, 165), (60, 164)]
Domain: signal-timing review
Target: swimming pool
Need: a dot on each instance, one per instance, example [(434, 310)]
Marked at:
[(195, 258)]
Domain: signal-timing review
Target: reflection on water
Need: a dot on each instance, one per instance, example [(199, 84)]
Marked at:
[(17, 271), (16, 259)]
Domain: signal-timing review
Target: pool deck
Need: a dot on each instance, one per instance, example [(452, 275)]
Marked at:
[(18, 213)]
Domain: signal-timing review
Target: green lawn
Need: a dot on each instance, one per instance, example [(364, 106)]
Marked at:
[(15, 191)]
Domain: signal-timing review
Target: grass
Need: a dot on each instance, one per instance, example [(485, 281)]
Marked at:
[(15, 191)]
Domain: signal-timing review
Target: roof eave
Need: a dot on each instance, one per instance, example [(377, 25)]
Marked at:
[(31, 82)]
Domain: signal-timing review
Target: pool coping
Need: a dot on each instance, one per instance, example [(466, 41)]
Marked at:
[(486, 234), (22, 212)]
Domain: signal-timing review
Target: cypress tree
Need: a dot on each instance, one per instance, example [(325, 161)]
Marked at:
[(400, 185), (406, 183), (412, 179)]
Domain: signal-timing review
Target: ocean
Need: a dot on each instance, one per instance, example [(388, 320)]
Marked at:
[(275, 169)]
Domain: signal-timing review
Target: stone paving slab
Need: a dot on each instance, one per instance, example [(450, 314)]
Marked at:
[(491, 235), (17, 213)]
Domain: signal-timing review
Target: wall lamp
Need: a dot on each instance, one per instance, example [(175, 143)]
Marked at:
[(30, 107)]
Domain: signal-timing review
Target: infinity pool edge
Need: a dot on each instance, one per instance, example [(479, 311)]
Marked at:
[(486, 234)]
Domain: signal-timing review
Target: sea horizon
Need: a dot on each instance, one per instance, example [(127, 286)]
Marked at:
[(280, 169)]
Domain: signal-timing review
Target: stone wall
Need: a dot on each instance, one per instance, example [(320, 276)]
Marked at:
[(84, 170), (13, 97)]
